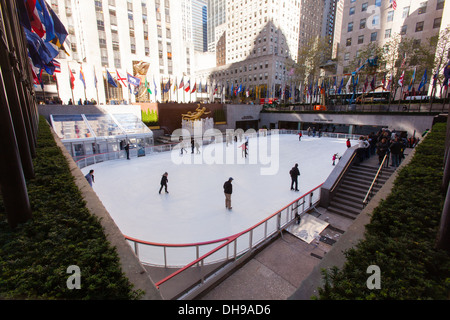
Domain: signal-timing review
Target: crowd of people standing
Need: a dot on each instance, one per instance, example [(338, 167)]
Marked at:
[(385, 143)]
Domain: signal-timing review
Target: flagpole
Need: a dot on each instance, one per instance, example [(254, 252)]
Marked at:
[(107, 88), (95, 79), (70, 80)]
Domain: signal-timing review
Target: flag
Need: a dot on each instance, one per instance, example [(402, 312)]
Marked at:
[(194, 88), (181, 83), (200, 87), (110, 79), (239, 90), (400, 81), (35, 21), (175, 85), (135, 81), (394, 4), (57, 66), (156, 88), (372, 83), (46, 20), (147, 86), (206, 87), (72, 79), (341, 85), (215, 89), (188, 86), (41, 81), (82, 76), (447, 72), (95, 79), (388, 87), (423, 81), (411, 83), (58, 28), (120, 79), (167, 86), (347, 86)]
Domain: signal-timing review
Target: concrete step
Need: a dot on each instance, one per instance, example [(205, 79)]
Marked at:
[(350, 188), (360, 177), (349, 195), (357, 182), (340, 202), (342, 212)]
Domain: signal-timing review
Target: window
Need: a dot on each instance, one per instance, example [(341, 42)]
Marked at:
[(419, 26), (347, 56), (364, 6), (378, 3), (351, 11), (440, 4), (387, 33), (373, 36), (422, 7), (100, 25), (350, 27), (437, 23), (376, 20), (362, 23), (348, 42), (405, 12), (403, 30), (361, 39), (390, 16)]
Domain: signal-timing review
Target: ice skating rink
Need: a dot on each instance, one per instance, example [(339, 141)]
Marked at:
[(194, 210)]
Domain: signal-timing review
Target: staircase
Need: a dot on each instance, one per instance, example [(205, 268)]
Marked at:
[(348, 200)]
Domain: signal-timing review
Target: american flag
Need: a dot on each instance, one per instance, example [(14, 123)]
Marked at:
[(394, 4)]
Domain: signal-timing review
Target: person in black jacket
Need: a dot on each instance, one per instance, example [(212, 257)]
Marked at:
[(164, 181), (228, 190), (294, 176)]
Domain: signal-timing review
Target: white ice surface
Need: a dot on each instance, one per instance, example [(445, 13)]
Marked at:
[(194, 210)]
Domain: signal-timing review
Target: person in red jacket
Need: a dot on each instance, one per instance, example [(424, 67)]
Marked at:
[(348, 143)]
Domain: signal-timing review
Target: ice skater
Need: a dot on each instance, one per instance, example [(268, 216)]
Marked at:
[(197, 146), (334, 158), (90, 177), (164, 182), (228, 190), (294, 177), (127, 150), (300, 136), (244, 148), (182, 145)]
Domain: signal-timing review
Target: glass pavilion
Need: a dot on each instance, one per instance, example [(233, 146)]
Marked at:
[(85, 135)]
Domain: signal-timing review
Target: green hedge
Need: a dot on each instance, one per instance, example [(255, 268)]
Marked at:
[(35, 256), (401, 237)]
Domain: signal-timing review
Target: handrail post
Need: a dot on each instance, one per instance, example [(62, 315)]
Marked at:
[(165, 256), (136, 250)]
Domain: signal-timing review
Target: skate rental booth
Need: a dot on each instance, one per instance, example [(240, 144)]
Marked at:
[(101, 134)]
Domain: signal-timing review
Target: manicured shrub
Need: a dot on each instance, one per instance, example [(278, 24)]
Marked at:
[(35, 256), (400, 239)]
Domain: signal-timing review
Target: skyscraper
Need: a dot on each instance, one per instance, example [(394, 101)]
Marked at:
[(110, 35), (259, 40)]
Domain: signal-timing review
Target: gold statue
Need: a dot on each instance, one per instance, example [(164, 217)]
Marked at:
[(195, 115)]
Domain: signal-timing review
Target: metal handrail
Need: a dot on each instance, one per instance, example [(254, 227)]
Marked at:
[(341, 175), (292, 209), (369, 192)]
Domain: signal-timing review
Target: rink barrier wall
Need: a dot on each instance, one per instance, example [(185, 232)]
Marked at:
[(227, 252), (91, 159)]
